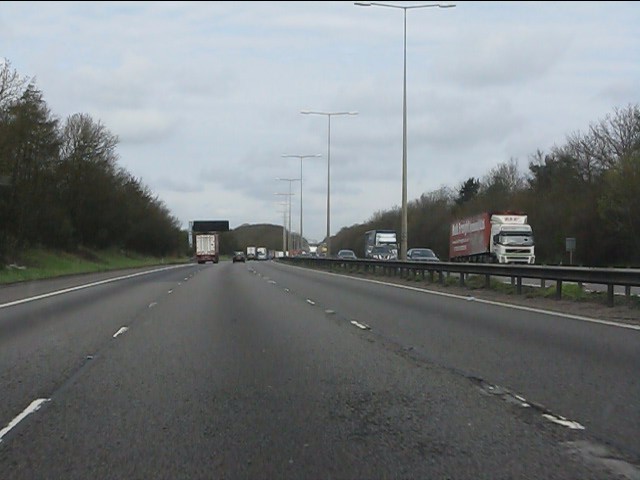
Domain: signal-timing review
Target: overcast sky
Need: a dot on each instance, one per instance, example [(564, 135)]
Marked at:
[(205, 97)]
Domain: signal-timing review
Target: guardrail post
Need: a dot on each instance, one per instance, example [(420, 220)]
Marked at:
[(519, 286), (558, 289), (543, 283), (462, 279), (487, 281), (610, 295), (627, 293)]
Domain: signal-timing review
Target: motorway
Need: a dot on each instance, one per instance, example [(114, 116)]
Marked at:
[(269, 371)]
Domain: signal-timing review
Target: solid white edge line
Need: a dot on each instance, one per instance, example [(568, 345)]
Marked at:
[(87, 285), (34, 406), (488, 302), (121, 331)]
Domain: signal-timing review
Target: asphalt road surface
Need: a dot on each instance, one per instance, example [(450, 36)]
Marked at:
[(263, 370)]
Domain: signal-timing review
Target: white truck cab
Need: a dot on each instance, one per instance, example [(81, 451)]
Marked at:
[(512, 239)]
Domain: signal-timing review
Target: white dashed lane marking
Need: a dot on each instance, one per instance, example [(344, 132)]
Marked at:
[(120, 332)]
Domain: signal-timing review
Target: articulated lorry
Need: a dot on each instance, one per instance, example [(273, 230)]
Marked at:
[(205, 238), (206, 246), (492, 237)]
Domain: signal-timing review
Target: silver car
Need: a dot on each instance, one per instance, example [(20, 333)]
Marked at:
[(348, 254)]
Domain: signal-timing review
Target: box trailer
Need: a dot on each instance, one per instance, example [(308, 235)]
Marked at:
[(492, 237)]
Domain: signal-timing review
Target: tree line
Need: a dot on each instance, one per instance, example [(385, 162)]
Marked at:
[(61, 186), (587, 188)]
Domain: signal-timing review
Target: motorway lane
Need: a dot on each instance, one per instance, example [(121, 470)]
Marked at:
[(233, 376), (579, 370), (43, 342)]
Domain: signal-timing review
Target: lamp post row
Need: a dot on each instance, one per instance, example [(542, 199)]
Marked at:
[(301, 157), (404, 220)]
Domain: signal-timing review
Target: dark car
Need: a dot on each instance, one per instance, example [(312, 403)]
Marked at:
[(348, 254), (384, 252), (422, 255), (238, 257)]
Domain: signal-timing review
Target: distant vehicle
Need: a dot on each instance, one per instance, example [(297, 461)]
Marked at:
[(261, 253), (498, 237), (348, 254), (251, 253), (422, 255), (383, 252), (238, 256), (206, 246), (376, 238)]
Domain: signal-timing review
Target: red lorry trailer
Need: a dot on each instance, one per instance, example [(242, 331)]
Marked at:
[(502, 237)]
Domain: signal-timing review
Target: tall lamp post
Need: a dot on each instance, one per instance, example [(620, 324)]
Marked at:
[(403, 230), (328, 115), (290, 180), (301, 157), (284, 225)]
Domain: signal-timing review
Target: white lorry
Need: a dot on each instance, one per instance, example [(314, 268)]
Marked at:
[(498, 237), (261, 253), (206, 247)]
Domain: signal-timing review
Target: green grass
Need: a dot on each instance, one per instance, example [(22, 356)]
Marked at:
[(570, 291), (39, 263)]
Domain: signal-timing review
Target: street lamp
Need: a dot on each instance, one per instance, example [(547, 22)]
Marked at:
[(403, 230), (284, 226), (290, 180), (328, 115), (301, 157), (285, 242)]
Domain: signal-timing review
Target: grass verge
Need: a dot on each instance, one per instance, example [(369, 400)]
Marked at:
[(37, 264)]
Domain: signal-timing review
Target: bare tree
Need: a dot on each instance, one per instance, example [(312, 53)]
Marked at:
[(606, 143), (87, 176), (12, 85)]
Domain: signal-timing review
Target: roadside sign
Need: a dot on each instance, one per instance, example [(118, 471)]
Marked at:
[(570, 244)]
